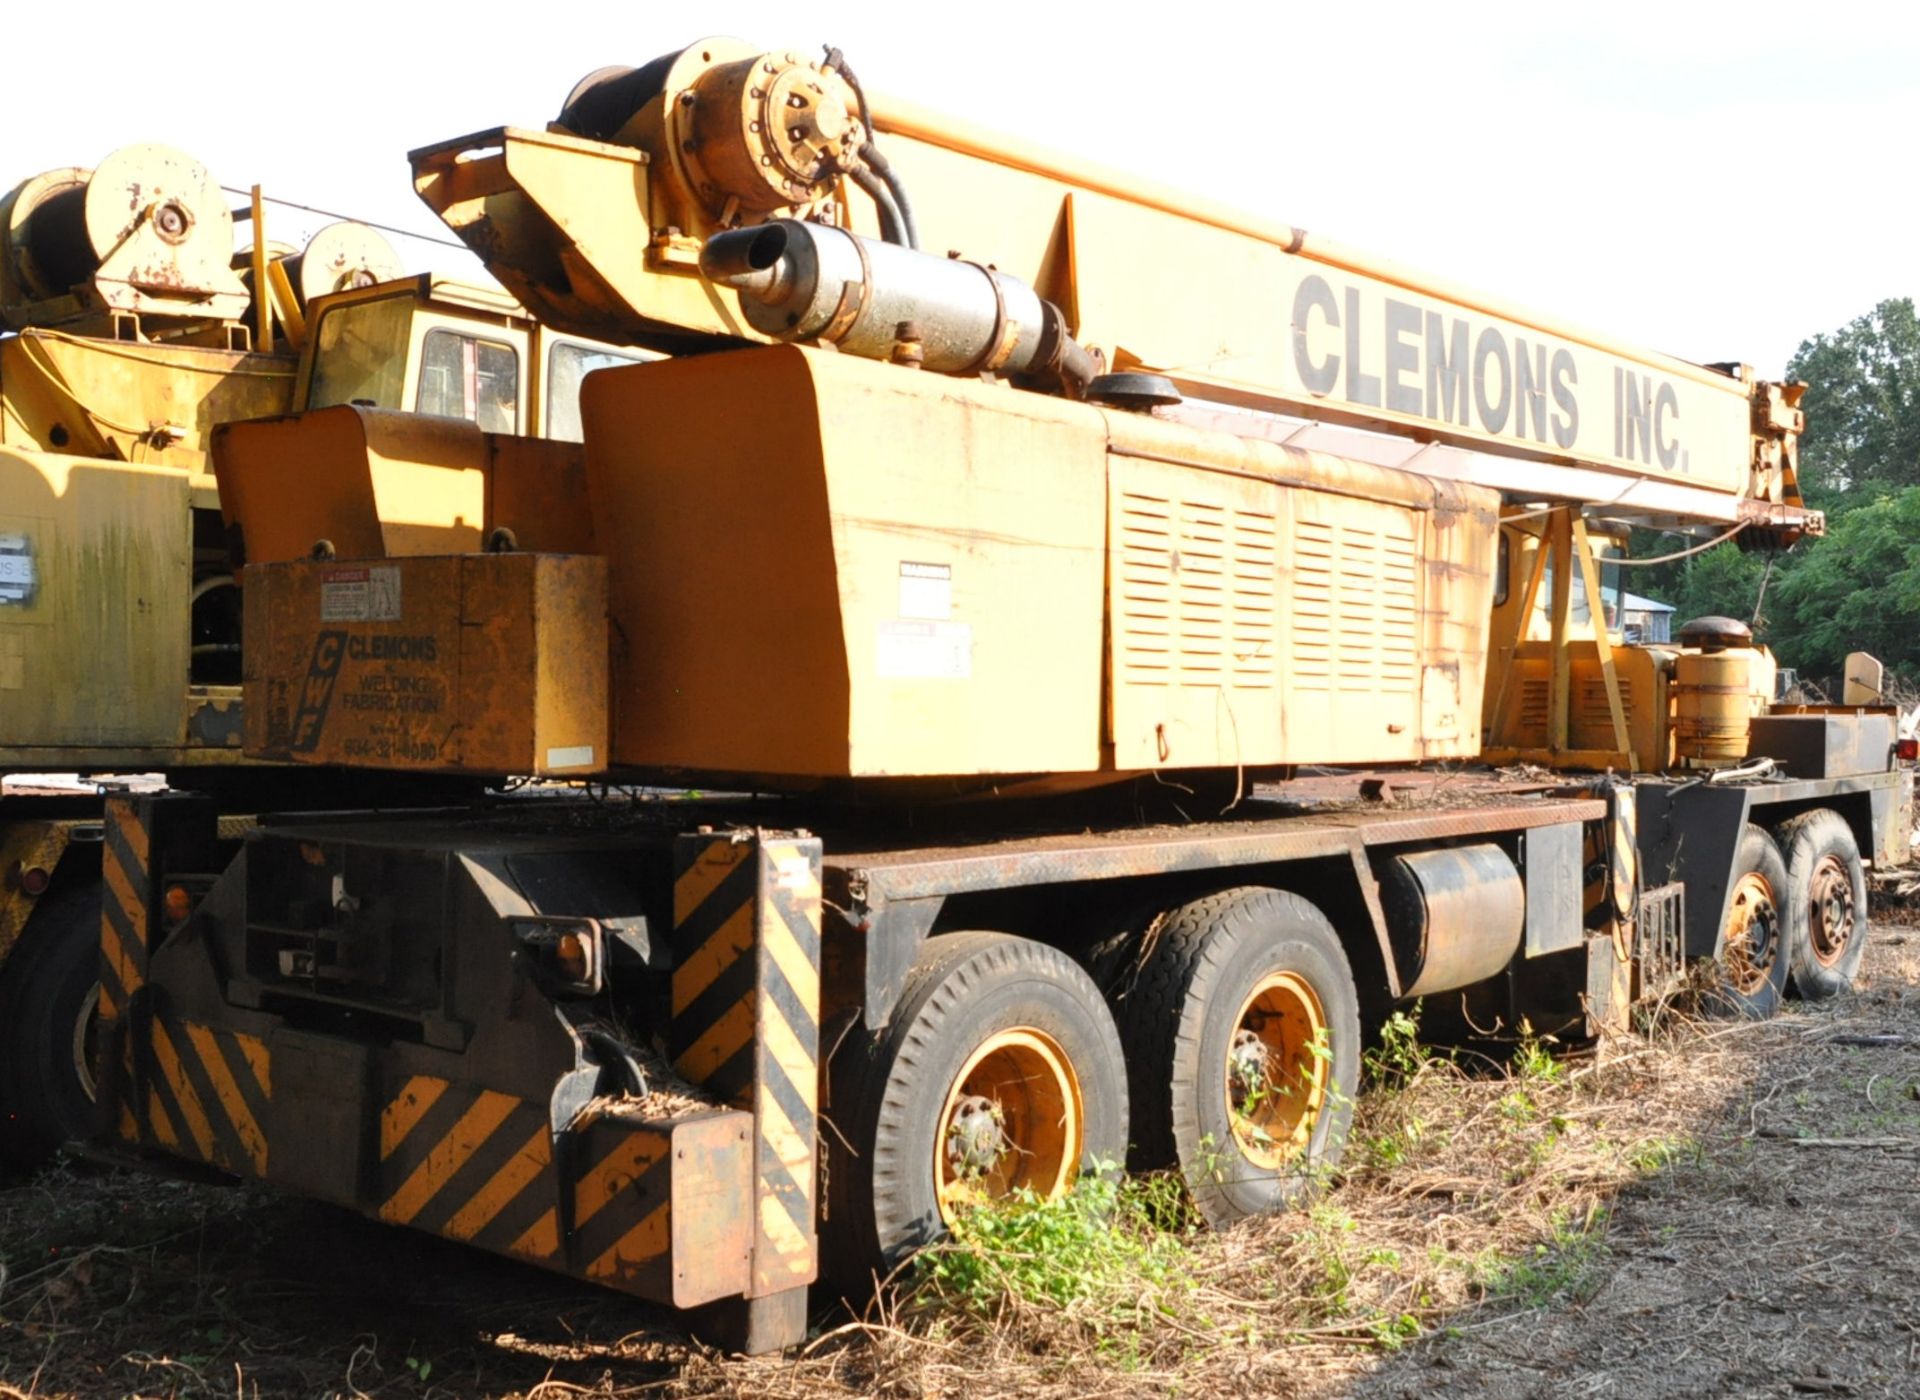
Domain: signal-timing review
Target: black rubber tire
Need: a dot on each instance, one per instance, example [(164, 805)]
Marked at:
[(1756, 854), (1177, 1018), (888, 1091), (46, 990), (1807, 842)]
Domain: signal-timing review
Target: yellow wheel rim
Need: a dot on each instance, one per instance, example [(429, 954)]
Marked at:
[(1753, 933), (1013, 1119), (1277, 1069)]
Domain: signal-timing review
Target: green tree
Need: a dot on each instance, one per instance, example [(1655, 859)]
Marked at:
[(1863, 407), (1724, 582), (1858, 589)]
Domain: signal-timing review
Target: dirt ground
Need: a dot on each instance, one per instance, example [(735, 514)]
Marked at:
[(1706, 1210)]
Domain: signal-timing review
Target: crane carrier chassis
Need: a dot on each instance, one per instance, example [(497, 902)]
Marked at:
[(447, 1018), (986, 563)]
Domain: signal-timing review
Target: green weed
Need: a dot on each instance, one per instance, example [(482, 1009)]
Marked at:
[(1399, 1056), (1111, 1250), (1566, 1267)]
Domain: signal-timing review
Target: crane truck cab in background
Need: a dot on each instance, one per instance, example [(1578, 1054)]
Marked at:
[(133, 328), (948, 560)]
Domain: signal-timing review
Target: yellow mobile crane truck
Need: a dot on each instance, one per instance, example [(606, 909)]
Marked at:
[(983, 495), (132, 328)]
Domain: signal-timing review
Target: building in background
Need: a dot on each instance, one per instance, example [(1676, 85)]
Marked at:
[(1647, 619)]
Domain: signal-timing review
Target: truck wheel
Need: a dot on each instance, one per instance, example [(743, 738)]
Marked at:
[(1825, 904), (1000, 1071), (1753, 942), (49, 995), (1242, 1031)]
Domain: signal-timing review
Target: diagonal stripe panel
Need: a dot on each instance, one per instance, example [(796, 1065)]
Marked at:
[(447, 1155), (700, 969), (226, 1096), (642, 1244), (629, 1160), (503, 1187), (193, 1115), (729, 1035), (124, 824), (472, 1181), (746, 1015), (258, 1059), (239, 1068), (409, 1106)]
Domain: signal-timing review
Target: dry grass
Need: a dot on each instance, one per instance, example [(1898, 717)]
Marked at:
[(1717, 1208)]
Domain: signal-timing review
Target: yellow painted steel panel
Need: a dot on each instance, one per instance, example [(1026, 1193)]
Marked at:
[(95, 577), (138, 402), (824, 566), (1264, 610), (377, 482)]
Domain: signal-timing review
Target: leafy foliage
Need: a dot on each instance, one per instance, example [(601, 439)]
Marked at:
[(1112, 1250), (1858, 588), (1862, 406)]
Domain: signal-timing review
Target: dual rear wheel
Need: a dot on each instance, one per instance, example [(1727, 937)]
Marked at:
[(1796, 914), (1002, 1071)]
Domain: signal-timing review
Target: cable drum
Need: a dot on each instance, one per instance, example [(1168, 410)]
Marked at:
[(147, 230)]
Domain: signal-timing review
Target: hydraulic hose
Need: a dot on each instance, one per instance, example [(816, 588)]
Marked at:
[(876, 162), (882, 167), (893, 228)]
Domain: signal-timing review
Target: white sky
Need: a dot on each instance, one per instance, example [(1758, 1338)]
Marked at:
[(1714, 180)]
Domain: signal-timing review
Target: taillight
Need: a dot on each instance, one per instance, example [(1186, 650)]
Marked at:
[(1907, 750), (567, 953), (34, 880), (177, 904)]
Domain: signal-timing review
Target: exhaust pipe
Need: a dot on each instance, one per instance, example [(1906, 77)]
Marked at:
[(801, 281)]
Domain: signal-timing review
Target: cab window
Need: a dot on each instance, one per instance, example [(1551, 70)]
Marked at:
[(360, 354), (567, 364), (463, 376)]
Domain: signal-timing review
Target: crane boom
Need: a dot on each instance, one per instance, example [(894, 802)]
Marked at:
[(1239, 312)]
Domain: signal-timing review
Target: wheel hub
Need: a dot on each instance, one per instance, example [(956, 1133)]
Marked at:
[(1249, 1065), (1012, 1121), (1753, 933), (1830, 913), (1277, 1070), (975, 1138)]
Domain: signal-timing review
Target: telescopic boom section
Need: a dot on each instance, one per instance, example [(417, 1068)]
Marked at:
[(1246, 313)]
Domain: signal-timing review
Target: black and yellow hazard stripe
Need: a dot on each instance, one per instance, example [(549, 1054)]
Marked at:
[(1624, 813), (469, 1163), (478, 1166), (126, 906), (206, 1093), (746, 1007)]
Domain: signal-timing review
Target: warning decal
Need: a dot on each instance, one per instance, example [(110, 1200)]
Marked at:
[(365, 593)]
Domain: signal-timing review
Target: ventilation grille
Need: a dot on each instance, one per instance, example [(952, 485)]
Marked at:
[(1356, 605), (1590, 709), (1533, 709), (1593, 702), (1196, 600)]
